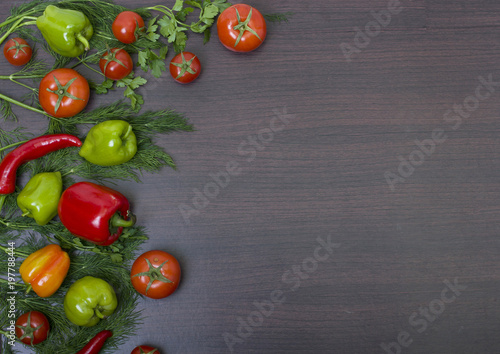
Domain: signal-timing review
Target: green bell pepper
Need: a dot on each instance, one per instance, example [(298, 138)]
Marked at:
[(109, 143), (66, 31), (40, 197), (89, 300)]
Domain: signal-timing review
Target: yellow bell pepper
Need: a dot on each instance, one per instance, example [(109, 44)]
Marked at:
[(45, 270)]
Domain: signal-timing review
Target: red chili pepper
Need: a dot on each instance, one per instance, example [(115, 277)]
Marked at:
[(96, 343), (31, 150), (95, 213)]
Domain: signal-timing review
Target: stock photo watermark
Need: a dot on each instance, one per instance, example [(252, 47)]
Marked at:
[(363, 37), (219, 180), (292, 280), (454, 116), (11, 294), (420, 320)]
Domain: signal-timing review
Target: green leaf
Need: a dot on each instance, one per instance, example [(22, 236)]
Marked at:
[(208, 22), (167, 26), (104, 87), (193, 3), (143, 58), (116, 258), (158, 66), (180, 42), (178, 5), (132, 83), (206, 35), (198, 27), (210, 12), (163, 52), (221, 4), (182, 15)]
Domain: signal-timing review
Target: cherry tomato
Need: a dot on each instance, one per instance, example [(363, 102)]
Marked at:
[(127, 26), (116, 64), (63, 93), (241, 28), (17, 51), (185, 67), (145, 349), (155, 274), (32, 327)]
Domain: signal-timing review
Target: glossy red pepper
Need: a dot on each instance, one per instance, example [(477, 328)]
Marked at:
[(95, 213), (31, 150), (96, 343)]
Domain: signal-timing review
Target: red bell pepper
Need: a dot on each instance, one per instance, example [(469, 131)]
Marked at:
[(95, 213)]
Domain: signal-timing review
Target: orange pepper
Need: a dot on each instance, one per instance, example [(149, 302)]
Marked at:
[(45, 270)]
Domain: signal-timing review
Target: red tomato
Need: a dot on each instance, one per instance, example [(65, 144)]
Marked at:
[(32, 327), (241, 28), (63, 93), (127, 26), (155, 274), (17, 51), (116, 64), (145, 349), (185, 67)]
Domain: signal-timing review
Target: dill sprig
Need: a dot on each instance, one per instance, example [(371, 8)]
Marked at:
[(65, 337)]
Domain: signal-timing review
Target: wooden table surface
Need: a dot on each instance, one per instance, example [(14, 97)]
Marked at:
[(361, 210)]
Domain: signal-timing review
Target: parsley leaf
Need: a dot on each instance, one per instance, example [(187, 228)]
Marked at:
[(132, 83), (103, 87), (151, 32), (178, 5)]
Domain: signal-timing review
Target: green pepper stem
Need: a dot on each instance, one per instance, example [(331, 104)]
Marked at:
[(84, 40), (127, 133), (99, 313), (118, 221)]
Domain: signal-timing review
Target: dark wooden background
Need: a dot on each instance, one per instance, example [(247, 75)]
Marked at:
[(324, 176)]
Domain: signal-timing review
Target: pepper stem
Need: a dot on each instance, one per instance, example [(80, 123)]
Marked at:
[(118, 221), (99, 313), (127, 133), (84, 40)]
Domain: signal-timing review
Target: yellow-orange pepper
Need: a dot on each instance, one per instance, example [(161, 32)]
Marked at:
[(45, 270)]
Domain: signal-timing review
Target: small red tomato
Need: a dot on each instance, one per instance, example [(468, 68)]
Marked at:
[(63, 93), (241, 28), (17, 51), (185, 67), (116, 64), (127, 26), (32, 327), (155, 274), (145, 349)]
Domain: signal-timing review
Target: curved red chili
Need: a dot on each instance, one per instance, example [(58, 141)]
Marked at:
[(96, 343), (31, 150)]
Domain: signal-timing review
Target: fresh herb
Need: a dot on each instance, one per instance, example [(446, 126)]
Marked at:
[(278, 17), (66, 338)]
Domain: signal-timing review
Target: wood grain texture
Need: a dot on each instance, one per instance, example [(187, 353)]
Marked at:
[(323, 175)]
